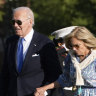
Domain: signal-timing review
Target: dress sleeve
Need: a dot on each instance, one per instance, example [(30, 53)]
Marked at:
[(64, 79)]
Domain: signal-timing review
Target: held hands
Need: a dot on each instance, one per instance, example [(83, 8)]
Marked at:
[(40, 92)]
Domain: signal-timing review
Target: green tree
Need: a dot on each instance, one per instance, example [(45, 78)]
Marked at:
[(51, 15)]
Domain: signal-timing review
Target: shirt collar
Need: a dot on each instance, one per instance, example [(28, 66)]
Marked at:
[(29, 36)]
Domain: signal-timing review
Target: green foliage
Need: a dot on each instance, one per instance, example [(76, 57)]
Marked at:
[(51, 15), (51, 37), (1, 16)]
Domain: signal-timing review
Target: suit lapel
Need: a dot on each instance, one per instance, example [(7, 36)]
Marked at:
[(32, 49), (13, 51)]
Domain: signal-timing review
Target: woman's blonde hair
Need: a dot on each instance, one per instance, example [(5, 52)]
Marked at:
[(81, 33)]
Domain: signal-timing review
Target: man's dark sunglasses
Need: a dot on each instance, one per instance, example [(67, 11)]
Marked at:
[(19, 22)]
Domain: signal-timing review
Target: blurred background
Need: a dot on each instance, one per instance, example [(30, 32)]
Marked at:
[(50, 15)]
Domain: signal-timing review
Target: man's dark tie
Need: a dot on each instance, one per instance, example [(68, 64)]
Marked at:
[(20, 55)]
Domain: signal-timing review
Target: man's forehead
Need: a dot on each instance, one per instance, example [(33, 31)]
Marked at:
[(20, 14)]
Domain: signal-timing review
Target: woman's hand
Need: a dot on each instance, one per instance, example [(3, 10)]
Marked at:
[(39, 92)]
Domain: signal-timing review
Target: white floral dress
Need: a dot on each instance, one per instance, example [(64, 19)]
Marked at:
[(89, 75)]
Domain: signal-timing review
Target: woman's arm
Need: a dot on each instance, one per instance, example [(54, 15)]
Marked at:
[(40, 91)]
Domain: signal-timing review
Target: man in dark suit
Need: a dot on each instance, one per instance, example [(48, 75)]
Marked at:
[(40, 61)]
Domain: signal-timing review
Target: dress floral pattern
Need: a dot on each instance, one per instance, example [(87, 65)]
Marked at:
[(89, 75)]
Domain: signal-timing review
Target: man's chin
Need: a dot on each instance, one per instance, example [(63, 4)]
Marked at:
[(17, 33)]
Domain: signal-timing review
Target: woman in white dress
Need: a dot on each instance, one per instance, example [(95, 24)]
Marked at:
[(80, 64)]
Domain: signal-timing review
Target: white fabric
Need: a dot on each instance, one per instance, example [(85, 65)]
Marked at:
[(63, 32), (65, 47), (68, 88), (82, 65), (45, 93)]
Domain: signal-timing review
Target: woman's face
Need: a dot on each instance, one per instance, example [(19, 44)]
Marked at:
[(79, 47)]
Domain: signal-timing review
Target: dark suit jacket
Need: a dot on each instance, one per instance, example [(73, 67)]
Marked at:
[(41, 66)]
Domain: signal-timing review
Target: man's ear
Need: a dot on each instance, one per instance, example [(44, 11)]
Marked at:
[(31, 21)]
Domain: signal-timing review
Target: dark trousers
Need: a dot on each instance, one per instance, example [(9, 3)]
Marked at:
[(68, 93), (28, 95)]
